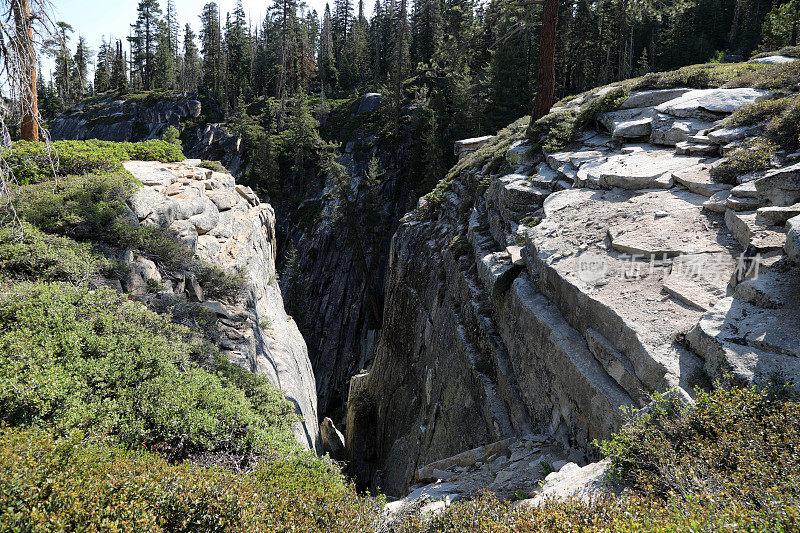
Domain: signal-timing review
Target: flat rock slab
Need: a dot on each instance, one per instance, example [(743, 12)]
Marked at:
[(752, 233), (698, 180), (780, 186), (676, 227), (700, 280), (718, 202), (646, 168), (652, 98), (605, 287), (702, 103), (774, 60), (778, 216), (150, 173), (728, 135), (669, 131), (756, 343)]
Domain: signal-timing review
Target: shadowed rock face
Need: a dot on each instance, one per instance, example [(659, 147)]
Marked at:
[(576, 283), (121, 120), (227, 225)]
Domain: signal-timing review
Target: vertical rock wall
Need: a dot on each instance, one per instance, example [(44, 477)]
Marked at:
[(227, 225)]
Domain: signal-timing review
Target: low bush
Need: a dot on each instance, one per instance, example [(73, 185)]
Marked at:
[(219, 284), (36, 162), (752, 156), (48, 484), (559, 128), (28, 254), (92, 360), (216, 166)]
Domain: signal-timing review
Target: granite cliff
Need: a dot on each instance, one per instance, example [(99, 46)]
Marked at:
[(544, 285)]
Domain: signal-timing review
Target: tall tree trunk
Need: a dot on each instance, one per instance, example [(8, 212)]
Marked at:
[(546, 77), (28, 96)]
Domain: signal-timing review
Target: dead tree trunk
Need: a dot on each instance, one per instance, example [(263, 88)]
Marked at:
[(27, 55), (546, 76)]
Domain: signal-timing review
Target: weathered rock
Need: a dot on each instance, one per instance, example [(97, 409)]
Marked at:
[(752, 342), (752, 233), (780, 186), (702, 103), (698, 180), (652, 98), (545, 176), (728, 135), (586, 483), (467, 458), (736, 203), (774, 60), (332, 440), (643, 169), (778, 216), (186, 232), (669, 131), (628, 123), (718, 203), (792, 245), (369, 103), (465, 147), (700, 280), (693, 148), (241, 238), (520, 153), (194, 108)]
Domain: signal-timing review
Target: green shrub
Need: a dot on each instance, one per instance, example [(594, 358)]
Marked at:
[(219, 284), (76, 206), (743, 442), (171, 135), (27, 253), (34, 162), (216, 166), (70, 485), (556, 130), (91, 360), (752, 156)]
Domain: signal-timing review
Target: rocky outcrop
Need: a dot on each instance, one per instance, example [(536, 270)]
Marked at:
[(119, 119), (225, 224), (141, 117), (544, 298)]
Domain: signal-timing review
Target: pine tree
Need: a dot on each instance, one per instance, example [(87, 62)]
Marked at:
[(190, 71), (327, 62), (144, 42), (102, 67), (376, 43), (427, 30), (80, 68), (119, 76), (238, 56), (211, 39), (286, 13), (57, 47), (173, 28), (340, 27), (164, 61)]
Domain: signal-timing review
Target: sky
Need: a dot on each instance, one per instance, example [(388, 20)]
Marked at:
[(95, 19)]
